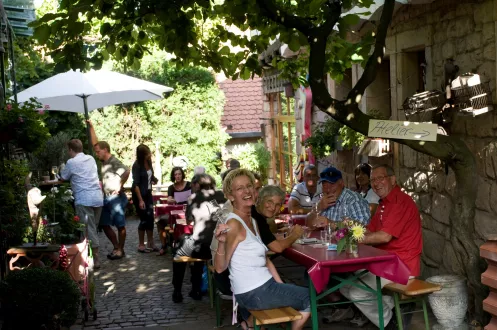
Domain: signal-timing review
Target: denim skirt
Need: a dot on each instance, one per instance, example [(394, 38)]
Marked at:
[(275, 295)]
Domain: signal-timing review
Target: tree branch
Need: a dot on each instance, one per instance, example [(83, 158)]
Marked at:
[(334, 11), (375, 59), (280, 16)]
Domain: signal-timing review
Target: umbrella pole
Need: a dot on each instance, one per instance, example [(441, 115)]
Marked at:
[(87, 117)]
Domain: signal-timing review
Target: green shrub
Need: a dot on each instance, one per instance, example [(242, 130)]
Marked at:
[(254, 157), (39, 298)]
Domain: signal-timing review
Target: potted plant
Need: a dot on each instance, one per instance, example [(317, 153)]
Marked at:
[(39, 298), (58, 210)]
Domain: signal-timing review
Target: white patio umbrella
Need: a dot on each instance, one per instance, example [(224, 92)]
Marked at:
[(74, 91)]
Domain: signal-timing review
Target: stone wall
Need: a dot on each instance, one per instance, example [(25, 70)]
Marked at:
[(464, 31)]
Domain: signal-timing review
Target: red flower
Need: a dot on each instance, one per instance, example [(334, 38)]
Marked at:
[(8, 107), (44, 222), (41, 111), (76, 218), (47, 107)]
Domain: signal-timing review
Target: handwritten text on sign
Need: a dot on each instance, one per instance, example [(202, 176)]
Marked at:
[(402, 130)]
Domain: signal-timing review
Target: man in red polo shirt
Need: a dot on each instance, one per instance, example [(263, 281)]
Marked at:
[(395, 227)]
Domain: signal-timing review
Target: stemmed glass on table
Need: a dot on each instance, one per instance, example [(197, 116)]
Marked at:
[(55, 172)]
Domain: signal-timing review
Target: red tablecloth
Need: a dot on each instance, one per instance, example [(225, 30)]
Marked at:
[(321, 263), (165, 209), (180, 229), (156, 196), (175, 215)]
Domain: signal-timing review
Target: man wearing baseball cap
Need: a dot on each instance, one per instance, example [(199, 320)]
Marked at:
[(337, 201)]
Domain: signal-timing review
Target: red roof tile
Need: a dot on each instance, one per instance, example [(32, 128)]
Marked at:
[(244, 105)]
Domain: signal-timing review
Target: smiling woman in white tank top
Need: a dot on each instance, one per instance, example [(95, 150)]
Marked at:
[(254, 279)]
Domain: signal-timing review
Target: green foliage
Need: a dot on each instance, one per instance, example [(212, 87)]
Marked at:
[(13, 206), (186, 123), (83, 36), (323, 138), (52, 153), (39, 298), (57, 208), (327, 134), (31, 68), (254, 157), (23, 126)]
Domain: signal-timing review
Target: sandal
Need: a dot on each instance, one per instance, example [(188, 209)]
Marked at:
[(246, 326), (143, 250), (115, 256), (112, 254), (162, 252), (154, 249)]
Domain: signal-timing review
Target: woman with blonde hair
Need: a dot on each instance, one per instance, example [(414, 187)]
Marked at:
[(254, 279)]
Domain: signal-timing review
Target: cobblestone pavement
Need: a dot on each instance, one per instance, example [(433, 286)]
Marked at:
[(135, 292)]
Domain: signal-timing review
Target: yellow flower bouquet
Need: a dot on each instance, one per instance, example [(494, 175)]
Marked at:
[(349, 233)]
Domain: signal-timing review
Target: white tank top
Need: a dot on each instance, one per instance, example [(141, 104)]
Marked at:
[(247, 267)]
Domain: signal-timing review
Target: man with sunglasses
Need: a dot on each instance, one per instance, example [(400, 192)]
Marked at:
[(395, 227), (337, 202)]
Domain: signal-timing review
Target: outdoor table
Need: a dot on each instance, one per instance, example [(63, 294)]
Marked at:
[(285, 209), (47, 185), (165, 209), (33, 254), (181, 228), (175, 215), (158, 196), (321, 263)]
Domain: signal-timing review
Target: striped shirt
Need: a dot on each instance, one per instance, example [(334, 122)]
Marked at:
[(302, 195), (357, 208), (82, 171)]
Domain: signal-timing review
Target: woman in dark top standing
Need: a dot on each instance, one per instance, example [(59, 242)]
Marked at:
[(179, 184), (143, 179)]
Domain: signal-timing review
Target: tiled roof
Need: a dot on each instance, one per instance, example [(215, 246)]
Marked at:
[(244, 105)]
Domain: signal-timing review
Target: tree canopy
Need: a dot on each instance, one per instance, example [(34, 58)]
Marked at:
[(82, 34)]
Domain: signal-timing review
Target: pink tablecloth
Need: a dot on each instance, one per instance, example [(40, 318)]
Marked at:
[(182, 229), (165, 209), (175, 215), (321, 263), (156, 196)]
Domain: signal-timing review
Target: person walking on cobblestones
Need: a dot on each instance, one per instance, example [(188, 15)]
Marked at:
[(114, 175), (143, 179)]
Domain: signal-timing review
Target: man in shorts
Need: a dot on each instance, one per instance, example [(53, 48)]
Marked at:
[(114, 176)]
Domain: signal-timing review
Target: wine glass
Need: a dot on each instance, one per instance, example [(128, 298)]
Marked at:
[(55, 171), (324, 237), (290, 222)]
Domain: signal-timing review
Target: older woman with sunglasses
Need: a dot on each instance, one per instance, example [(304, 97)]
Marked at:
[(254, 279)]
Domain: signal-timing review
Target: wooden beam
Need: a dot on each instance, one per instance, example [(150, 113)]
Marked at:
[(273, 137), (280, 146), (290, 138), (285, 119)]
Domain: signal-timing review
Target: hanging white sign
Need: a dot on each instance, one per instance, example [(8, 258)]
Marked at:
[(402, 130)]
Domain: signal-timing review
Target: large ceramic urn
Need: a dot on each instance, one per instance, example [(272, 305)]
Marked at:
[(451, 303)]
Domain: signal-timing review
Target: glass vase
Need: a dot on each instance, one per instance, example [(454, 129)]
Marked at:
[(352, 248)]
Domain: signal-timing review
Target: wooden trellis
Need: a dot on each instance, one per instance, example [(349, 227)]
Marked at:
[(281, 119)]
